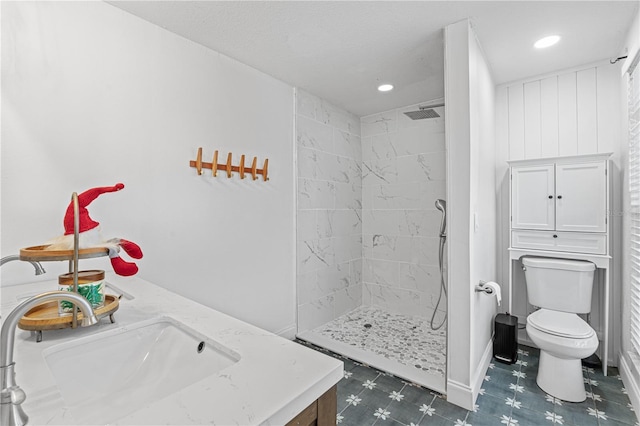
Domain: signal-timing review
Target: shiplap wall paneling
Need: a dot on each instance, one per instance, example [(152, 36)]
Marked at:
[(549, 116), (532, 127), (587, 111), (607, 102), (516, 122), (567, 115)]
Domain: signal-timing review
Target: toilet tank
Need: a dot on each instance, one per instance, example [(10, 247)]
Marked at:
[(559, 284)]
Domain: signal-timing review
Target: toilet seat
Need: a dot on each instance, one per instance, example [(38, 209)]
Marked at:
[(561, 324)]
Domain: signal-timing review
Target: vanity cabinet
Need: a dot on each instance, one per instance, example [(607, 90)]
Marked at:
[(559, 209), (321, 412)]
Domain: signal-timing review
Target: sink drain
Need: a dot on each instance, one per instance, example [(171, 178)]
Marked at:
[(200, 347)]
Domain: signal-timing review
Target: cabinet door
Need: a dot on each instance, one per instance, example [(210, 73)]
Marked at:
[(581, 197), (532, 197)]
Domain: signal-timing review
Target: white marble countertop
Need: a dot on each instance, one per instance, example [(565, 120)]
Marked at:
[(273, 381)]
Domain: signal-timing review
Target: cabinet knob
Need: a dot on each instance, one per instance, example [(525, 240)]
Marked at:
[(550, 197), (559, 197), (555, 236)]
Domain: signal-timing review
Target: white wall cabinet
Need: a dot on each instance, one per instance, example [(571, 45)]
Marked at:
[(533, 197), (559, 196), (581, 197), (559, 208)]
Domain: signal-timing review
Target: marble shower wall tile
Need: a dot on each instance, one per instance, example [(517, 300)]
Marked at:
[(311, 106), (348, 196), (312, 134), (315, 313), (421, 278), (316, 194), (394, 299), (347, 144), (415, 195), (403, 173), (339, 222), (367, 224), (384, 122), (347, 299), (329, 217), (313, 255), (382, 272), (306, 104)]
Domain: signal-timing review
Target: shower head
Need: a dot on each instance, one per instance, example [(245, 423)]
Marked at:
[(424, 112), (441, 205)]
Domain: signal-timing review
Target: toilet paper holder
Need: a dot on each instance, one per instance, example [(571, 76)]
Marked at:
[(480, 287)]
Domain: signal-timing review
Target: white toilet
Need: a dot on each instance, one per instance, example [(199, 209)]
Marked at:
[(561, 288)]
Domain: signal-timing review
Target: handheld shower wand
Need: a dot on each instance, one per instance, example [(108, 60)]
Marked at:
[(442, 206)]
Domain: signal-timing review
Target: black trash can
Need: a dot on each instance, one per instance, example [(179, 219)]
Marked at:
[(505, 338)]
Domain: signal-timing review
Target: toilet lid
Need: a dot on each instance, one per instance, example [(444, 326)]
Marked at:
[(561, 324)]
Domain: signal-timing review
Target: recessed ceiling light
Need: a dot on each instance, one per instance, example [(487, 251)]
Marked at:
[(385, 87), (547, 41)]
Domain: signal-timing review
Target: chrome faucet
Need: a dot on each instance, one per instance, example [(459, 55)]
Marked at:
[(38, 267), (11, 396)]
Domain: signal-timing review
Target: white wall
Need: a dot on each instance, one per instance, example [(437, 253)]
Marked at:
[(92, 96), (403, 174), (569, 112), (483, 206), (329, 203), (471, 182)]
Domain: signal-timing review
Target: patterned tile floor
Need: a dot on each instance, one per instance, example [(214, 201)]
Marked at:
[(509, 396)]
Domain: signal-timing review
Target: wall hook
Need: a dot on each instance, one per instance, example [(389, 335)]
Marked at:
[(229, 167)]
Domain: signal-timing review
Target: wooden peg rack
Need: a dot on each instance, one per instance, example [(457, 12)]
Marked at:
[(214, 166)]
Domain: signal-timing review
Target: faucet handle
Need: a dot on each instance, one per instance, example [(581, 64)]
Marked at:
[(11, 412), (13, 395), (17, 395)]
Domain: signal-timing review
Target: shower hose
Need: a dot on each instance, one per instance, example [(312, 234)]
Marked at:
[(443, 285)]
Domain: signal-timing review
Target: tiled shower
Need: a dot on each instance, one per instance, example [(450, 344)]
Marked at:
[(368, 279)]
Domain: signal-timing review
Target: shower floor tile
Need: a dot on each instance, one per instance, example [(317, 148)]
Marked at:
[(405, 339)]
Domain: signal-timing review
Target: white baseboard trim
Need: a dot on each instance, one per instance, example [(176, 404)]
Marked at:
[(481, 371), (288, 332), (460, 394), (630, 383), (465, 396)]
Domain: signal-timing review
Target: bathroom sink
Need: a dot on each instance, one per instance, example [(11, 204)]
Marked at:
[(108, 375)]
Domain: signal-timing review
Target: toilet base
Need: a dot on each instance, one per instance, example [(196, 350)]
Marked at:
[(561, 378)]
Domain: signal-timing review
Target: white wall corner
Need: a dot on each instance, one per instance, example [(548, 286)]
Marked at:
[(630, 383)]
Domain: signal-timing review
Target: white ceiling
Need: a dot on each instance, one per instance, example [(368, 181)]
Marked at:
[(342, 50)]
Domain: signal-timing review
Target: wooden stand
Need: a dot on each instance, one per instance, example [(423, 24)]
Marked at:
[(46, 316)]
